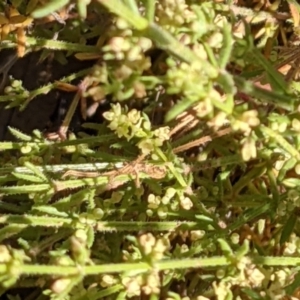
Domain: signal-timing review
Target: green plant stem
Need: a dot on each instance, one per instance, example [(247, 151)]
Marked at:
[(150, 10), (143, 267), (117, 268)]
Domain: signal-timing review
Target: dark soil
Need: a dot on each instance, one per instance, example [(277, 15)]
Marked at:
[(45, 112)]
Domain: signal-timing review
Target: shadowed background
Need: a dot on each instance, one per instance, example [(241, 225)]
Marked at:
[(44, 111)]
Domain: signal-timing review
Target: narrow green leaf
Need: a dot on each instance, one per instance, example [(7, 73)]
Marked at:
[(278, 99), (179, 108), (276, 79), (16, 3), (27, 177), (36, 171), (174, 296), (82, 8), (132, 5), (291, 182), (243, 250), (166, 41), (288, 228), (19, 135), (31, 6), (90, 237), (10, 230), (49, 7), (52, 211), (226, 249), (273, 186), (249, 215), (105, 293), (225, 80), (281, 141), (288, 165), (294, 285), (225, 51), (24, 189)]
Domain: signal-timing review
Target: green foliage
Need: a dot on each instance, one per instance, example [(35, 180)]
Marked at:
[(189, 188)]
